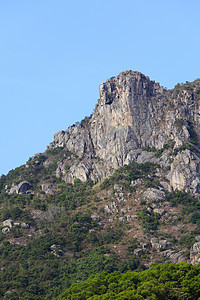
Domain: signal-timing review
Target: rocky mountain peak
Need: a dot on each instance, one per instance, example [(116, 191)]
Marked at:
[(125, 114), (130, 83), (124, 181), (135, 119)]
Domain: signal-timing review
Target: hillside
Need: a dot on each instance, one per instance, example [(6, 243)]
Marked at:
[(163, 281), (115, 192)]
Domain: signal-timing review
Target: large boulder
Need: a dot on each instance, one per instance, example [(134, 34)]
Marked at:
[(20, 188), (48, 188), (8, 223)]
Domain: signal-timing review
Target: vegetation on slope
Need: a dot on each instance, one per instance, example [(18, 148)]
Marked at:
[(161, 281), (71, 236)]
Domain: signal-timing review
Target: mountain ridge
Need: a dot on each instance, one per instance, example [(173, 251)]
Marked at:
[(116, 192)]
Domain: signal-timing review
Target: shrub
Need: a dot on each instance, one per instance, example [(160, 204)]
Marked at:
[(149, 220)]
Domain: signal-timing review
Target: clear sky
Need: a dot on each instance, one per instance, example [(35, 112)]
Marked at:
[(55, 53)]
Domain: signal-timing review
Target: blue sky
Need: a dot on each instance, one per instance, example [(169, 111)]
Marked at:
[(54, 55)]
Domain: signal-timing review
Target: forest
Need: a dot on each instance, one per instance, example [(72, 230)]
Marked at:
[(161, 281)]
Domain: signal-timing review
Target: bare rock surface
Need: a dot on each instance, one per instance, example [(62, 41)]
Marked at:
[(184, 174), (134, 120), (48, 188), (20, 188), (154, 194), (8, 223)]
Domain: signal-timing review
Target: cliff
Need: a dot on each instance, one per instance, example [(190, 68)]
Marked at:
[(134, 118)]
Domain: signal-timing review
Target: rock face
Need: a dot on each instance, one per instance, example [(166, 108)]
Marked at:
[(123, 119), (48, 188), (133, 118), (20, 188), (133, 114), (195, 253), (8, 223), (184, 174), (155, 194)]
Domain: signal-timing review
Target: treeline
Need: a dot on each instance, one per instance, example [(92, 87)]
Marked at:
[(33, 272), (161, 281)]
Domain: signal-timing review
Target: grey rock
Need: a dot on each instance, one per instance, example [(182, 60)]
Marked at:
[(167, 253), (95, 217), (145, 157), (195, 254), (55, 250), (134, 217), (138, 181), (111, 207), (17, 224), (107, 209), (177, 257), (137, 251), (184, 174), (48, 188), (121, 123), (159, 211), (24, 225), (144, 245), (149, 209), (128, 217), (154, 194), (196, 247), (117, 188), (194, 257), (54, 246), (154, 243), (77, 171), (133, 115), (5, 230), (164, 244), (159, 244), (166, 203), (8, 223), (166, 186), (20, 188)]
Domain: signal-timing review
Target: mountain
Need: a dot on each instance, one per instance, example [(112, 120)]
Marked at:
[(117, 191), (133, 119)]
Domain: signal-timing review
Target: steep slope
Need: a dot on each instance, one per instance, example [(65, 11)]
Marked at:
[(134, 114), (134, 118), (123, 184), (124, 119)]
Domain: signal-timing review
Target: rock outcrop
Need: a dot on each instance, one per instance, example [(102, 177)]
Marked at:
[(20, 188), (133, 114), (9, 223), (48, 188), (195, 253), (135, 119), (184, 174)]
